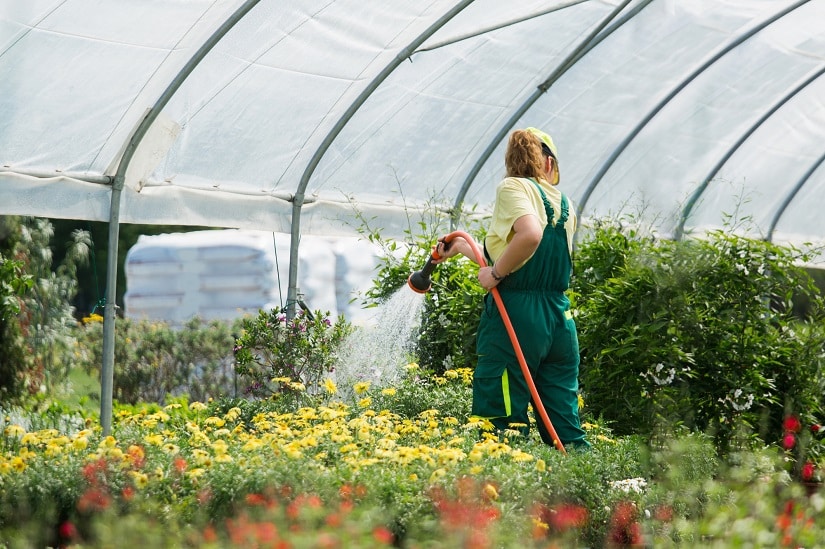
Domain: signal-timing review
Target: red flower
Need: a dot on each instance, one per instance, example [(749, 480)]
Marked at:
[(93, 500), (179, 464), (808, 471), (816, 428), (664, 513), (67, 531), (255, 499), (383, 535), (566, 517), (789, 441), (791, 424), (624, 526)]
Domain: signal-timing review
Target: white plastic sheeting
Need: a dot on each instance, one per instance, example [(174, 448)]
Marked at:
[(376, 109)]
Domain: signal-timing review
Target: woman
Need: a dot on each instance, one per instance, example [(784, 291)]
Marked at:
[(528, 249)]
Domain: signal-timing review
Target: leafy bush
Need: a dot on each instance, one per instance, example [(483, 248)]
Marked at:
[(14, 283), (155, 359), (696, 332), (288, 358)]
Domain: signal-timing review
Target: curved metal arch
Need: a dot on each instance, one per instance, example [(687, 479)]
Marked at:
[(502, 25), (298, 198), (736, 42), (791, 195), (592, 40), (107, 369), (694, 198)]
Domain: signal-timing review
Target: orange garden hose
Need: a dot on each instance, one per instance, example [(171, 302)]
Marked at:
[(516, 346)]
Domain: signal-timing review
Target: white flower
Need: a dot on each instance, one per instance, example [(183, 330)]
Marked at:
[(637, 485)]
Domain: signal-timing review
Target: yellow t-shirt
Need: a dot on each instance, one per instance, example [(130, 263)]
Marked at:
[(516, 197)]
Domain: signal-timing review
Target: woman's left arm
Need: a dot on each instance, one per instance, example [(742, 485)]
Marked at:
[(526, 238)]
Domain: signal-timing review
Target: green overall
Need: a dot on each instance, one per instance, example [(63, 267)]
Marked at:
[(539, 311)]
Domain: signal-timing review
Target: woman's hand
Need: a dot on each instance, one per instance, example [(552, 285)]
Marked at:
[(457, 245), (487, 279)]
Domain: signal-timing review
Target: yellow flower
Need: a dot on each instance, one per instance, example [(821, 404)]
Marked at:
[(361, 387), (195, 473), (348, 448), (365, 402), (412, 366), (490, 491), (154, 440), (18, 464), (330, 387), (92, 318), (108, 442), (297, 386), (5, 467), (30, 439), (252, 444), (437, 474), (216, 421), (451, 374), (519, 456), (197, 406), (140, 480), (389, 391), (14, 431), (171, 449), (541, 466), (581, 402), (476, 470), (232, 414), (220, 447)]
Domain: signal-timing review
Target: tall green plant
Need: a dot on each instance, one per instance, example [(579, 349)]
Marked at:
[(14, 284), (288, 358), (698, 332)]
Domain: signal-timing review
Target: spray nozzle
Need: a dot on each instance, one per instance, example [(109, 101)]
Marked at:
[(419, 281)]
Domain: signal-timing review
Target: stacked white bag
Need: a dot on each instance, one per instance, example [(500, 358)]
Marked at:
[(224, 274)]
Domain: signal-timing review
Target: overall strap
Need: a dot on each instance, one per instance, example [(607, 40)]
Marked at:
[(565, 210), (548, 208)]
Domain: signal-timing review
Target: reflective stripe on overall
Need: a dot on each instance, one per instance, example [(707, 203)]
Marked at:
[(540, 314)]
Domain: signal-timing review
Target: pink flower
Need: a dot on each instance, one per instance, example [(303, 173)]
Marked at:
[(789, 441)]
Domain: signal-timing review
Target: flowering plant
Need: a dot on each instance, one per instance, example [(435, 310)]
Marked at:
[(282, 357), (804, 449)]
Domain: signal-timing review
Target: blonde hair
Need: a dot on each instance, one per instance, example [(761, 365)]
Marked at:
[(523, 157)]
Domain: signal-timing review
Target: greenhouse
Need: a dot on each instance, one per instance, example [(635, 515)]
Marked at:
[(700, 121)]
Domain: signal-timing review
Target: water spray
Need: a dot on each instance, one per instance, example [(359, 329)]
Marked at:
[(419, 282)]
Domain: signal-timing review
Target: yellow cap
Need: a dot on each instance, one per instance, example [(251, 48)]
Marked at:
[(547, 141)]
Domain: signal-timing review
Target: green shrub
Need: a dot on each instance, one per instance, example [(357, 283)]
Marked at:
[(285, 358), (154, 359), (14, 283), (697, 332)]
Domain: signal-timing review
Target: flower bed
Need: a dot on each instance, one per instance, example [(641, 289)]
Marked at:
[(240, 474)]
